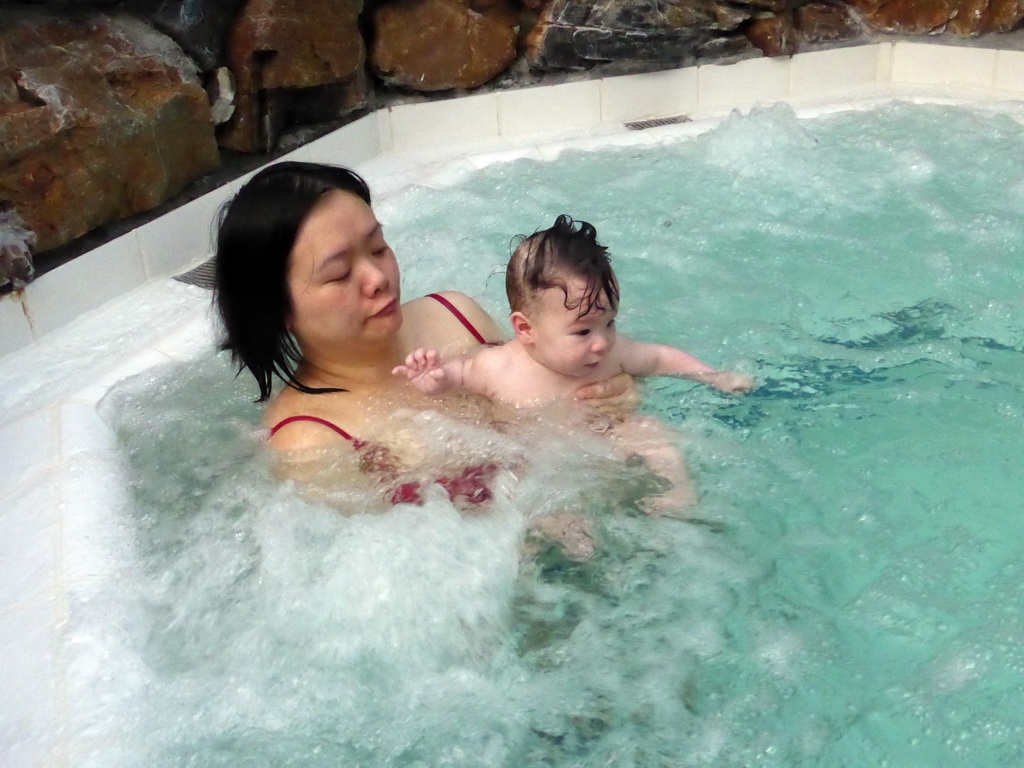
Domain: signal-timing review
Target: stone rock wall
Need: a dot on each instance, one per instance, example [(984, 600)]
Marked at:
[(292, 60), (100, 118), (111, 107)]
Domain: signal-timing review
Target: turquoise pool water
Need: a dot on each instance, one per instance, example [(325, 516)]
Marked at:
[(848, 593)]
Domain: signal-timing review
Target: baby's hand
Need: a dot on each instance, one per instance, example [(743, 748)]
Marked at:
[(423, 368), (731, 382)]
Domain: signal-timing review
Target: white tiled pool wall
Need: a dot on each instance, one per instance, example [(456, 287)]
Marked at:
[(58, 471)]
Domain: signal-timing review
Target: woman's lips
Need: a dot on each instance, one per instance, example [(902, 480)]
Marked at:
[(388, 309)]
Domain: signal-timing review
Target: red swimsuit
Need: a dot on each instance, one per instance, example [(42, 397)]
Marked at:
[(471, 484)]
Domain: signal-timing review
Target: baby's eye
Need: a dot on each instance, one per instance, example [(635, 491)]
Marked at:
[(611, 323), (584, 332)]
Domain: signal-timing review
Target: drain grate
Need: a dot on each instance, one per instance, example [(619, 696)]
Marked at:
[(201, 276), (657, 122)]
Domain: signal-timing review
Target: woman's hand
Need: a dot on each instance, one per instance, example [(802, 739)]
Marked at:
[(616, 396)]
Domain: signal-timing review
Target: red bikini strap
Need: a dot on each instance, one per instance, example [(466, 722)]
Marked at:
[(318, 420), (458, 316)]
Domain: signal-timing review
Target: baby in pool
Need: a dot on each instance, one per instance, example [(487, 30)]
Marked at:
[(564, 298)]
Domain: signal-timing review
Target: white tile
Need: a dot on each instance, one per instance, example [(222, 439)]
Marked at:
[(138, 363), (350, 146), (555, 108), (441, 123), (15, 330), (835, 71), (382, 119), (182, 238), (393, 172), (28, 446), (884, 71), (744, 83), (28, 544), (29, 706), (85, 283), (1009, 70), (654, 94), (197, 337), (449, 174), (94, 542), (82, 432), (924, 64), (106, 678)]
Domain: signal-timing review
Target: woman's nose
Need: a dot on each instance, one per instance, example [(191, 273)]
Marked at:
[(375, 278)]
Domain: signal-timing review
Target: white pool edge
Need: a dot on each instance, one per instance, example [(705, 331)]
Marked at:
[(58, 471)]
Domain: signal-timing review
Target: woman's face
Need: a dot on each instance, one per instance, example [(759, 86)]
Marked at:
[(343, 279)]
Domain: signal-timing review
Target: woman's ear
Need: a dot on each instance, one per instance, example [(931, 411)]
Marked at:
[(522, 328)]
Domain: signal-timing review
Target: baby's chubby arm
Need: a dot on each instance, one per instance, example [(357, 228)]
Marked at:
[(640, 359), (432, 376), (424, 368)]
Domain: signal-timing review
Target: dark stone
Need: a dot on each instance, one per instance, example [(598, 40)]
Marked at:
[(16, 243), (576, 34), (200, 27)]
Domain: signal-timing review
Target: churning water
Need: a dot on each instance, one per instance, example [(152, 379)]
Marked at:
[(848, 593)]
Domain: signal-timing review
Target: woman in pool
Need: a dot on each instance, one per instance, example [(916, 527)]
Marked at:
[(308, 290)]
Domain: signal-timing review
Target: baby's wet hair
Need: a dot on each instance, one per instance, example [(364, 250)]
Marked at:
[(569, 247)]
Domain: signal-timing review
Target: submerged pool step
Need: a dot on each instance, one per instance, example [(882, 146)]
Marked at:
[(201, 276)]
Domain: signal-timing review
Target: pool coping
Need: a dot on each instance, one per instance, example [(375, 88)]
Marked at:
[(58, 465)]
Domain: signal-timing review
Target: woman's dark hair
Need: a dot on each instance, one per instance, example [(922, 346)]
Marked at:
[(256, 234), (569, 247)]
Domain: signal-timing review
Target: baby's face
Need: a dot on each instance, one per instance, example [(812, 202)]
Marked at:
[(566, 343)]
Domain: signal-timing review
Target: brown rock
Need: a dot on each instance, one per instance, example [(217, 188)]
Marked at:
[(774, 35), (433, 45), (968, 17), (110, 120), (823, 23), (960, 17), (1003, 15), (285, 56)]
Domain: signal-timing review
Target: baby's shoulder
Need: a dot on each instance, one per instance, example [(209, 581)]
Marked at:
[(492, 358)]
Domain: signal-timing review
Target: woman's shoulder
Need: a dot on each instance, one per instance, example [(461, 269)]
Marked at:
[(444, 315), (297, 420)]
